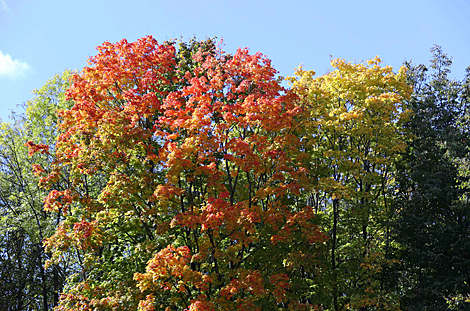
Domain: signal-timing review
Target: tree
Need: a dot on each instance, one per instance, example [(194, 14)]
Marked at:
[(353, 134), (432, 207), (26, 284), (197, 167)]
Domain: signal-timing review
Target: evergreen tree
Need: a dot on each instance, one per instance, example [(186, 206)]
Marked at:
[(432, 208)]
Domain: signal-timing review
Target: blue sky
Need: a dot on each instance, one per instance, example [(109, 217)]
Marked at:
[(43, 37)]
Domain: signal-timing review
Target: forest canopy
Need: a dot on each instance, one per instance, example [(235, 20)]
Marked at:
[(177, 176)]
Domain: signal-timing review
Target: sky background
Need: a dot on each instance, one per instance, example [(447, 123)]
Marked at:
[(41, 38)]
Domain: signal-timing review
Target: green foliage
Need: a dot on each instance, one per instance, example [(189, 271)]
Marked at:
[(180, 177), (432, 206), (26, 284)]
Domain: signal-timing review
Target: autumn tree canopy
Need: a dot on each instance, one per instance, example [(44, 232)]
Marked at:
[(195, 166), (183, 177), (352, 131)]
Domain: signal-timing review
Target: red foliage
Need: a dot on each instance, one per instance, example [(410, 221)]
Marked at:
[(201, 150)]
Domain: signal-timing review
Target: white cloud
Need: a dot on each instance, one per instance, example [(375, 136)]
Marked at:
[(4, 6), (11, 67)]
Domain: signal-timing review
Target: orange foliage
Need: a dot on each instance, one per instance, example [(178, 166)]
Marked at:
[(196, 163)]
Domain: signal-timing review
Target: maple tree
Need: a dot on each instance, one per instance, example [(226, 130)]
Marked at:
[(353, 133), (186, 178), (184, 165)]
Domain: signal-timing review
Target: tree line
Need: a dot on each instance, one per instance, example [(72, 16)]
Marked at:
[(176, 176)]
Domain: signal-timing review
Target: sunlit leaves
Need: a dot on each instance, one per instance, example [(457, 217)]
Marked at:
[(352, 121), (196, 161)]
